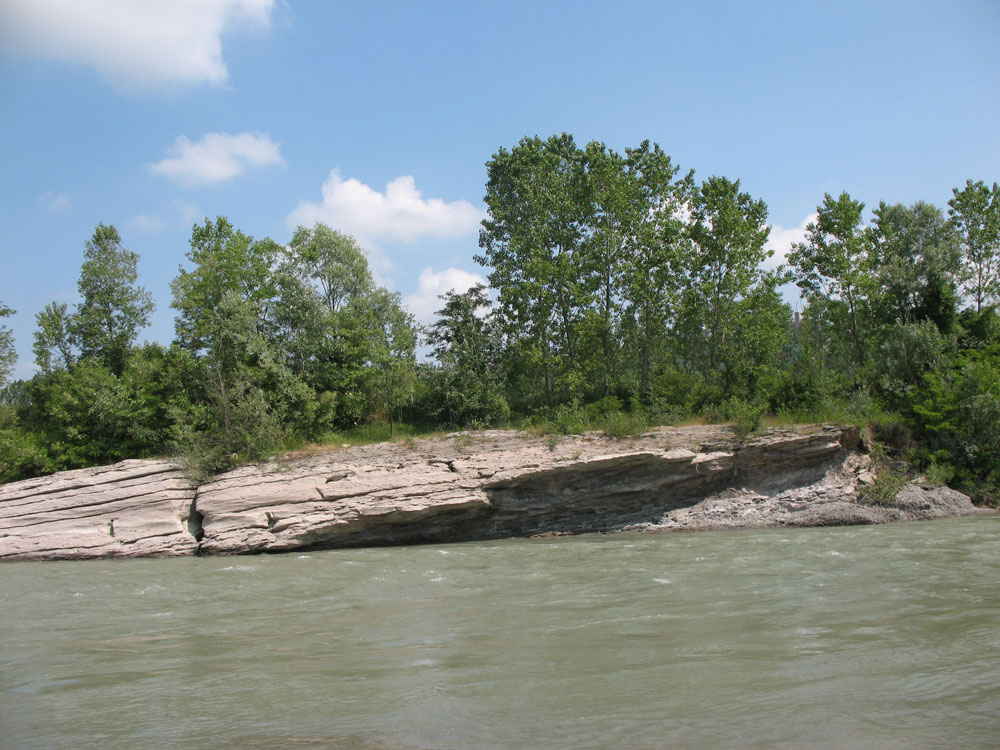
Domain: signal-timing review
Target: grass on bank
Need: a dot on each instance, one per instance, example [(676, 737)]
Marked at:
[(363, 434), (607, 416), (611, 418), (746, 417)]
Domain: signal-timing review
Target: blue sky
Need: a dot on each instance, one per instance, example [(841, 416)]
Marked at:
[(378, 118)]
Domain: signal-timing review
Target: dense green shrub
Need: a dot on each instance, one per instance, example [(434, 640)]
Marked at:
[(22, 455), (885, 488), (747, 416), (957, 417), (622, 424)]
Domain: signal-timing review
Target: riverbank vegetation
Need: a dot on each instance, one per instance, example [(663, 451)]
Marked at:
[(623, 293)]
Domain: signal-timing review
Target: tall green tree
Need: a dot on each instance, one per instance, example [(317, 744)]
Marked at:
[(226, 264), (390, 351), (584, 246), (8, 355), (335, 261), (322, 284), (224, 304), (654, 272), (301, 322), (532, 241), (350, 340), (975, 212), (114, 307), (51, 345), (915, 260), (630, 213), (727, 234), (834, 264), (468, 384), (612, 213), (760, 336)]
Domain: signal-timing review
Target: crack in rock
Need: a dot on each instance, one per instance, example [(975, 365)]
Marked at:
[(195, 521)]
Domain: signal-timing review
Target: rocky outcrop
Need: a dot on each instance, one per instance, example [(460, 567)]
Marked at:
[(835, 499), (458, 487), (131, 509)]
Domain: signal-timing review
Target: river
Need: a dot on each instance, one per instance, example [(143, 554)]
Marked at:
[(884, 636)]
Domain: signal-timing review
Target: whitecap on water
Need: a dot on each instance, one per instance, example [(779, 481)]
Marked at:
[(426, 663)]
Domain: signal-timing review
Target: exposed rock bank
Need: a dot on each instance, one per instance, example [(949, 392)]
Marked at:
[(459, 487)]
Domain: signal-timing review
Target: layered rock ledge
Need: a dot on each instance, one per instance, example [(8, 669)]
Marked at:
[(459, 487)]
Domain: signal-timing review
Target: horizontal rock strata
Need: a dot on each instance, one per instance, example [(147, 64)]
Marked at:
[(458, 487), (131, 509)]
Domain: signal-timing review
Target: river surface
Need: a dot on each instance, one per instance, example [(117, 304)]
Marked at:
[(884, 637)]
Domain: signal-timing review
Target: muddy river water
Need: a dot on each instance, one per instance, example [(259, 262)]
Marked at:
[(883, 637)]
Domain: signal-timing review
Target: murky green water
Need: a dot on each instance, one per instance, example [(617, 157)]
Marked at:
[(882, 637)]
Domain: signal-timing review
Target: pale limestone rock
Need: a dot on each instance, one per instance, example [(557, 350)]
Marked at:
[(462, 486), (329, 502), (130, 509), (829, 500)]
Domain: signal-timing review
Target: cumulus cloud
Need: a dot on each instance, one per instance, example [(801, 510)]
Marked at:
[(131, 44), (782, 239), (400, 214), (425, 301), (146, 223), (217, 157)]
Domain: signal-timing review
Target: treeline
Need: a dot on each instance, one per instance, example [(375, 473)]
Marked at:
[(622, 289), (272, 344)]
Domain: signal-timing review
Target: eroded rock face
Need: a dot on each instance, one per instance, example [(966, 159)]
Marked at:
[(273, 508), (459, 487), (831, 499), (130, 509)]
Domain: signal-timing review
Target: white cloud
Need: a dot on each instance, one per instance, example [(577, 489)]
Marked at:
[(399, 214), (55, 202), (217, 157), (425, 301), (146, 223), (189, 213), (782, 239), (131, 44)]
